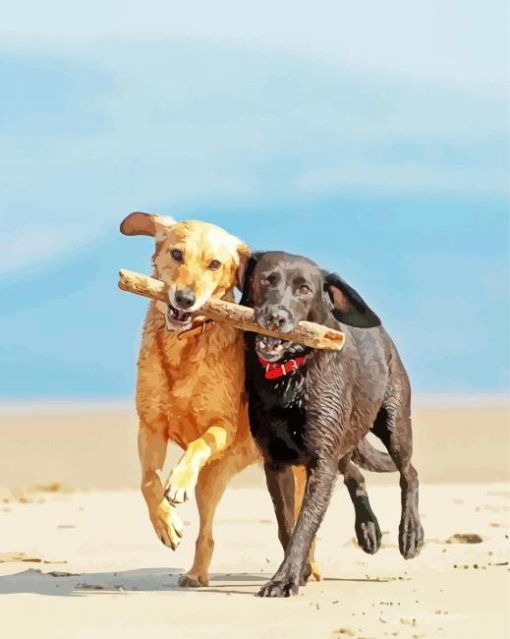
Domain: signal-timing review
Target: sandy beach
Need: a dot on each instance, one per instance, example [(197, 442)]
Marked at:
[(78, 557)]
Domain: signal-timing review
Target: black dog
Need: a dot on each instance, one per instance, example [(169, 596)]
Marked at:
[(314, 407)]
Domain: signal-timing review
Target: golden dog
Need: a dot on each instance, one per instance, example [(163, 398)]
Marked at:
[(190, 386)]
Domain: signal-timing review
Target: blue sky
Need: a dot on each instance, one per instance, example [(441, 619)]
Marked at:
[(376, 143)]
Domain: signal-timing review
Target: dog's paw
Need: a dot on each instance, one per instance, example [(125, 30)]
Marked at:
[(316, 574), (310, 572), (410, 535), (276, 588), (180, 484), (369, 535), (168, 525), (189, 580)]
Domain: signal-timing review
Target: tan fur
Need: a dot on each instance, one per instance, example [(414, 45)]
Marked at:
[(300, 486), (191, 391)]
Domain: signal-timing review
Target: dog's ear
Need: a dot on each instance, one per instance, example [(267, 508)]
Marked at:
[(244, 253), (348, 305), (151, 224), (245, 282)]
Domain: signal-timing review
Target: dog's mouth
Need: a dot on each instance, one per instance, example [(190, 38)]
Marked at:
[(177, 319), (270, 348)]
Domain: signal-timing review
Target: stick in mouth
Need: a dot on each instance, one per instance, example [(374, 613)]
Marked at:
[(242, 317)]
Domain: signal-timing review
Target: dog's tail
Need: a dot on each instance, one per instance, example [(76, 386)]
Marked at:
[(369, 458)]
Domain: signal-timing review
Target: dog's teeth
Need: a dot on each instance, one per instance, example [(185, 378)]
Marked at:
[(178, 315)]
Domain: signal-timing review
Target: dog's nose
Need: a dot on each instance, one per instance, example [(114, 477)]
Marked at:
[(279, 319), (185, 298)]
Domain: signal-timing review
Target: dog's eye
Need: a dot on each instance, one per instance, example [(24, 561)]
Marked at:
[(265, 282), (303, 290), (177, 255), (214, 265)]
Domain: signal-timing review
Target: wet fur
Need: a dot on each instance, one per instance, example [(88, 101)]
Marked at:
[(318, 415)]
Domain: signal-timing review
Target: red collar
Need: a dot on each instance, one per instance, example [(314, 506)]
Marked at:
[(275, 370)]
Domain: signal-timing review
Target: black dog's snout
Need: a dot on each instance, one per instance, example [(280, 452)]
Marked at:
[(278, 318), (185, 298)]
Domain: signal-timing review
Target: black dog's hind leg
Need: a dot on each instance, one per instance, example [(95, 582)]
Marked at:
[(366, 525), (280, 483), (319, 486), (393, 427)]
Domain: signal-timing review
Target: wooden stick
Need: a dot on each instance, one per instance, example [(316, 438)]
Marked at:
[(242, 317)]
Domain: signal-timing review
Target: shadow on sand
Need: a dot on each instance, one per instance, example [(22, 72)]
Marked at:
[(65, 584)]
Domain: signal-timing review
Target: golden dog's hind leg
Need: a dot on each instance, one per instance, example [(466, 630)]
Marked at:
[(183, 478), (210, 487), (152, 446), (300, 486)]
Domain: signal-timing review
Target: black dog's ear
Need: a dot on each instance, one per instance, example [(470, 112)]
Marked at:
[(348, 305), (245, 283)]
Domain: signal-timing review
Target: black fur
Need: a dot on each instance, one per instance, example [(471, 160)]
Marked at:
[(317, 415)]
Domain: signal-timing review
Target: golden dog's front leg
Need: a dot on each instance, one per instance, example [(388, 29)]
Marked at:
[(182, 481), (300, 486), (210, 487), (152, 445)]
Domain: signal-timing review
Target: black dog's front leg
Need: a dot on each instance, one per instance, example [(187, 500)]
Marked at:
[(280, 483), (318, 492)]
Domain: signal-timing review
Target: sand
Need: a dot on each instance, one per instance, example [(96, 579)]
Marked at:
[(94, 446), (78, 557)]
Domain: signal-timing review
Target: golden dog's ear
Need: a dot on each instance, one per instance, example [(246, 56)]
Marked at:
[(151, 224), (244, 252)]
